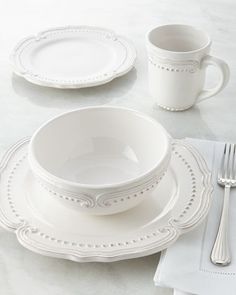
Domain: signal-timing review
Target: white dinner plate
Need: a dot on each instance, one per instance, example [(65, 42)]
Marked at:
[(73, 57), (43, 225)]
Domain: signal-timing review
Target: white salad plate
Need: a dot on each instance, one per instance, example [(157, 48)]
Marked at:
[(44, 225), (73, 57)]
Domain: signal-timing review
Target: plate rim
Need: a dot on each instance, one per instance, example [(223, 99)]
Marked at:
[(128, 64), (172, 230)]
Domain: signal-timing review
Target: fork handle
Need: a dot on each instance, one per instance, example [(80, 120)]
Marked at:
[(220, 254)]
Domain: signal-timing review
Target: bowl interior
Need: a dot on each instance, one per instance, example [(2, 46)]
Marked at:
[(99, 146)]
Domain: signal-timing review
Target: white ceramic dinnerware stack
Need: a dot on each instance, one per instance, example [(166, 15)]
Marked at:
[(108, 183), (88, 187)]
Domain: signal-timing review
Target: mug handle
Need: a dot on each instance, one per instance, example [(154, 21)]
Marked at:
[(224, 76)]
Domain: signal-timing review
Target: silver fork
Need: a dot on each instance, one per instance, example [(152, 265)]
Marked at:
[(220, 254)]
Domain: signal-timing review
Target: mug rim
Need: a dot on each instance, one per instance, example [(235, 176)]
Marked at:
[(208, 43)]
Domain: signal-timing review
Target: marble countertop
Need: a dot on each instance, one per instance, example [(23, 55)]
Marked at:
[(25, 106)]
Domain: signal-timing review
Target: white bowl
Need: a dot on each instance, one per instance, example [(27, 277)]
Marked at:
[(101, 160)]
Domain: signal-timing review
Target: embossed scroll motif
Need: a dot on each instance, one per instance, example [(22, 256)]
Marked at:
[(171, 65)]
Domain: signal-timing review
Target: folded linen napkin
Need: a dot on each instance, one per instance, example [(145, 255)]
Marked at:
[(186, 265)]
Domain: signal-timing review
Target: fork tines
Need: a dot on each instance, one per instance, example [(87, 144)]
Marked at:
[(227, 173)]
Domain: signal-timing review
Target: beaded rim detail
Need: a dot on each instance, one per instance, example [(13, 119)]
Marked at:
[(190, 67), (106, 199), (172, 65), (174, 109), (39, 241)]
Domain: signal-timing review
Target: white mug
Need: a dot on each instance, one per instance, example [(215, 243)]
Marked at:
[(178, 57)]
